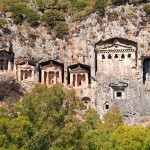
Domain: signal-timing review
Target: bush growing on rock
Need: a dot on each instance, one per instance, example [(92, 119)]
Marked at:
[(56, 21), (52, 16), (32, 16), (64, 5), (119, 2), (135, 1), (39, 3), (146, 8), (17, 10), (2, 21), (60, 29), (6, 5), (22, 12), (79, 4), (100, 5)]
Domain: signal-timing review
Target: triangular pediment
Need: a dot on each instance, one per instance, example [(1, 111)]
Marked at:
[(50, 65), (115, 44), (78, 70), (26, 66)]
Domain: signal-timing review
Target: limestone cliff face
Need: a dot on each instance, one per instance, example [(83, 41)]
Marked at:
[(37, 45)]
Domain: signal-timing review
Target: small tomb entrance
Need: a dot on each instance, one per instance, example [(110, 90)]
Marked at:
[(146, 72), (118, 90)]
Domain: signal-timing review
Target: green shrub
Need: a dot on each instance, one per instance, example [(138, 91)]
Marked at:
[(32, 16), (6, 5), (45, 4), (119, 2), (65, 5), (78, 16), (2, 21), (40, 3), (79, 4), (60, 29), (135, 1), (146, 8), (52, 16), (17, 10), (21, 11), (100, 5)]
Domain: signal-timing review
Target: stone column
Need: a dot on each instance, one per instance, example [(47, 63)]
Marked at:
[(71, 79), (76, 82), (4, 64), (54, 77), (9, 66), (86, 78), (60, 76), (23, 74), (47, 78), (32, 78), (42, 76), (14, 68), (19, 73)]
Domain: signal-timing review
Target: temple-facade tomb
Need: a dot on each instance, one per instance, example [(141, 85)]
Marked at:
[(6, 60), (116, 57), (51, 72), (26, 71), (79, 75)]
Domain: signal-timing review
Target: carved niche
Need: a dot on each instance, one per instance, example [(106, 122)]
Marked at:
[(115, 56)]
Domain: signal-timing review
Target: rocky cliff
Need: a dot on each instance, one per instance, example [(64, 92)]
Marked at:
[(78, 46)]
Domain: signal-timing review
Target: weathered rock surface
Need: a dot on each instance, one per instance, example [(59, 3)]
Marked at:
[(37, 45)]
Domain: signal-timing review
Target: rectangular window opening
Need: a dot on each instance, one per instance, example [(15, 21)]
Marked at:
[(106, 106), (119, 94)]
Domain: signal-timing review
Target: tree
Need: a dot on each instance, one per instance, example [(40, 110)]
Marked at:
[(70, 136), (94, 140), (92, 120), (4, 139), (126, 137), (15, 132), (112, 119)]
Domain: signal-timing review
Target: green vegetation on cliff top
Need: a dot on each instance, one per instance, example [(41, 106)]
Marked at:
[(53, 12)]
